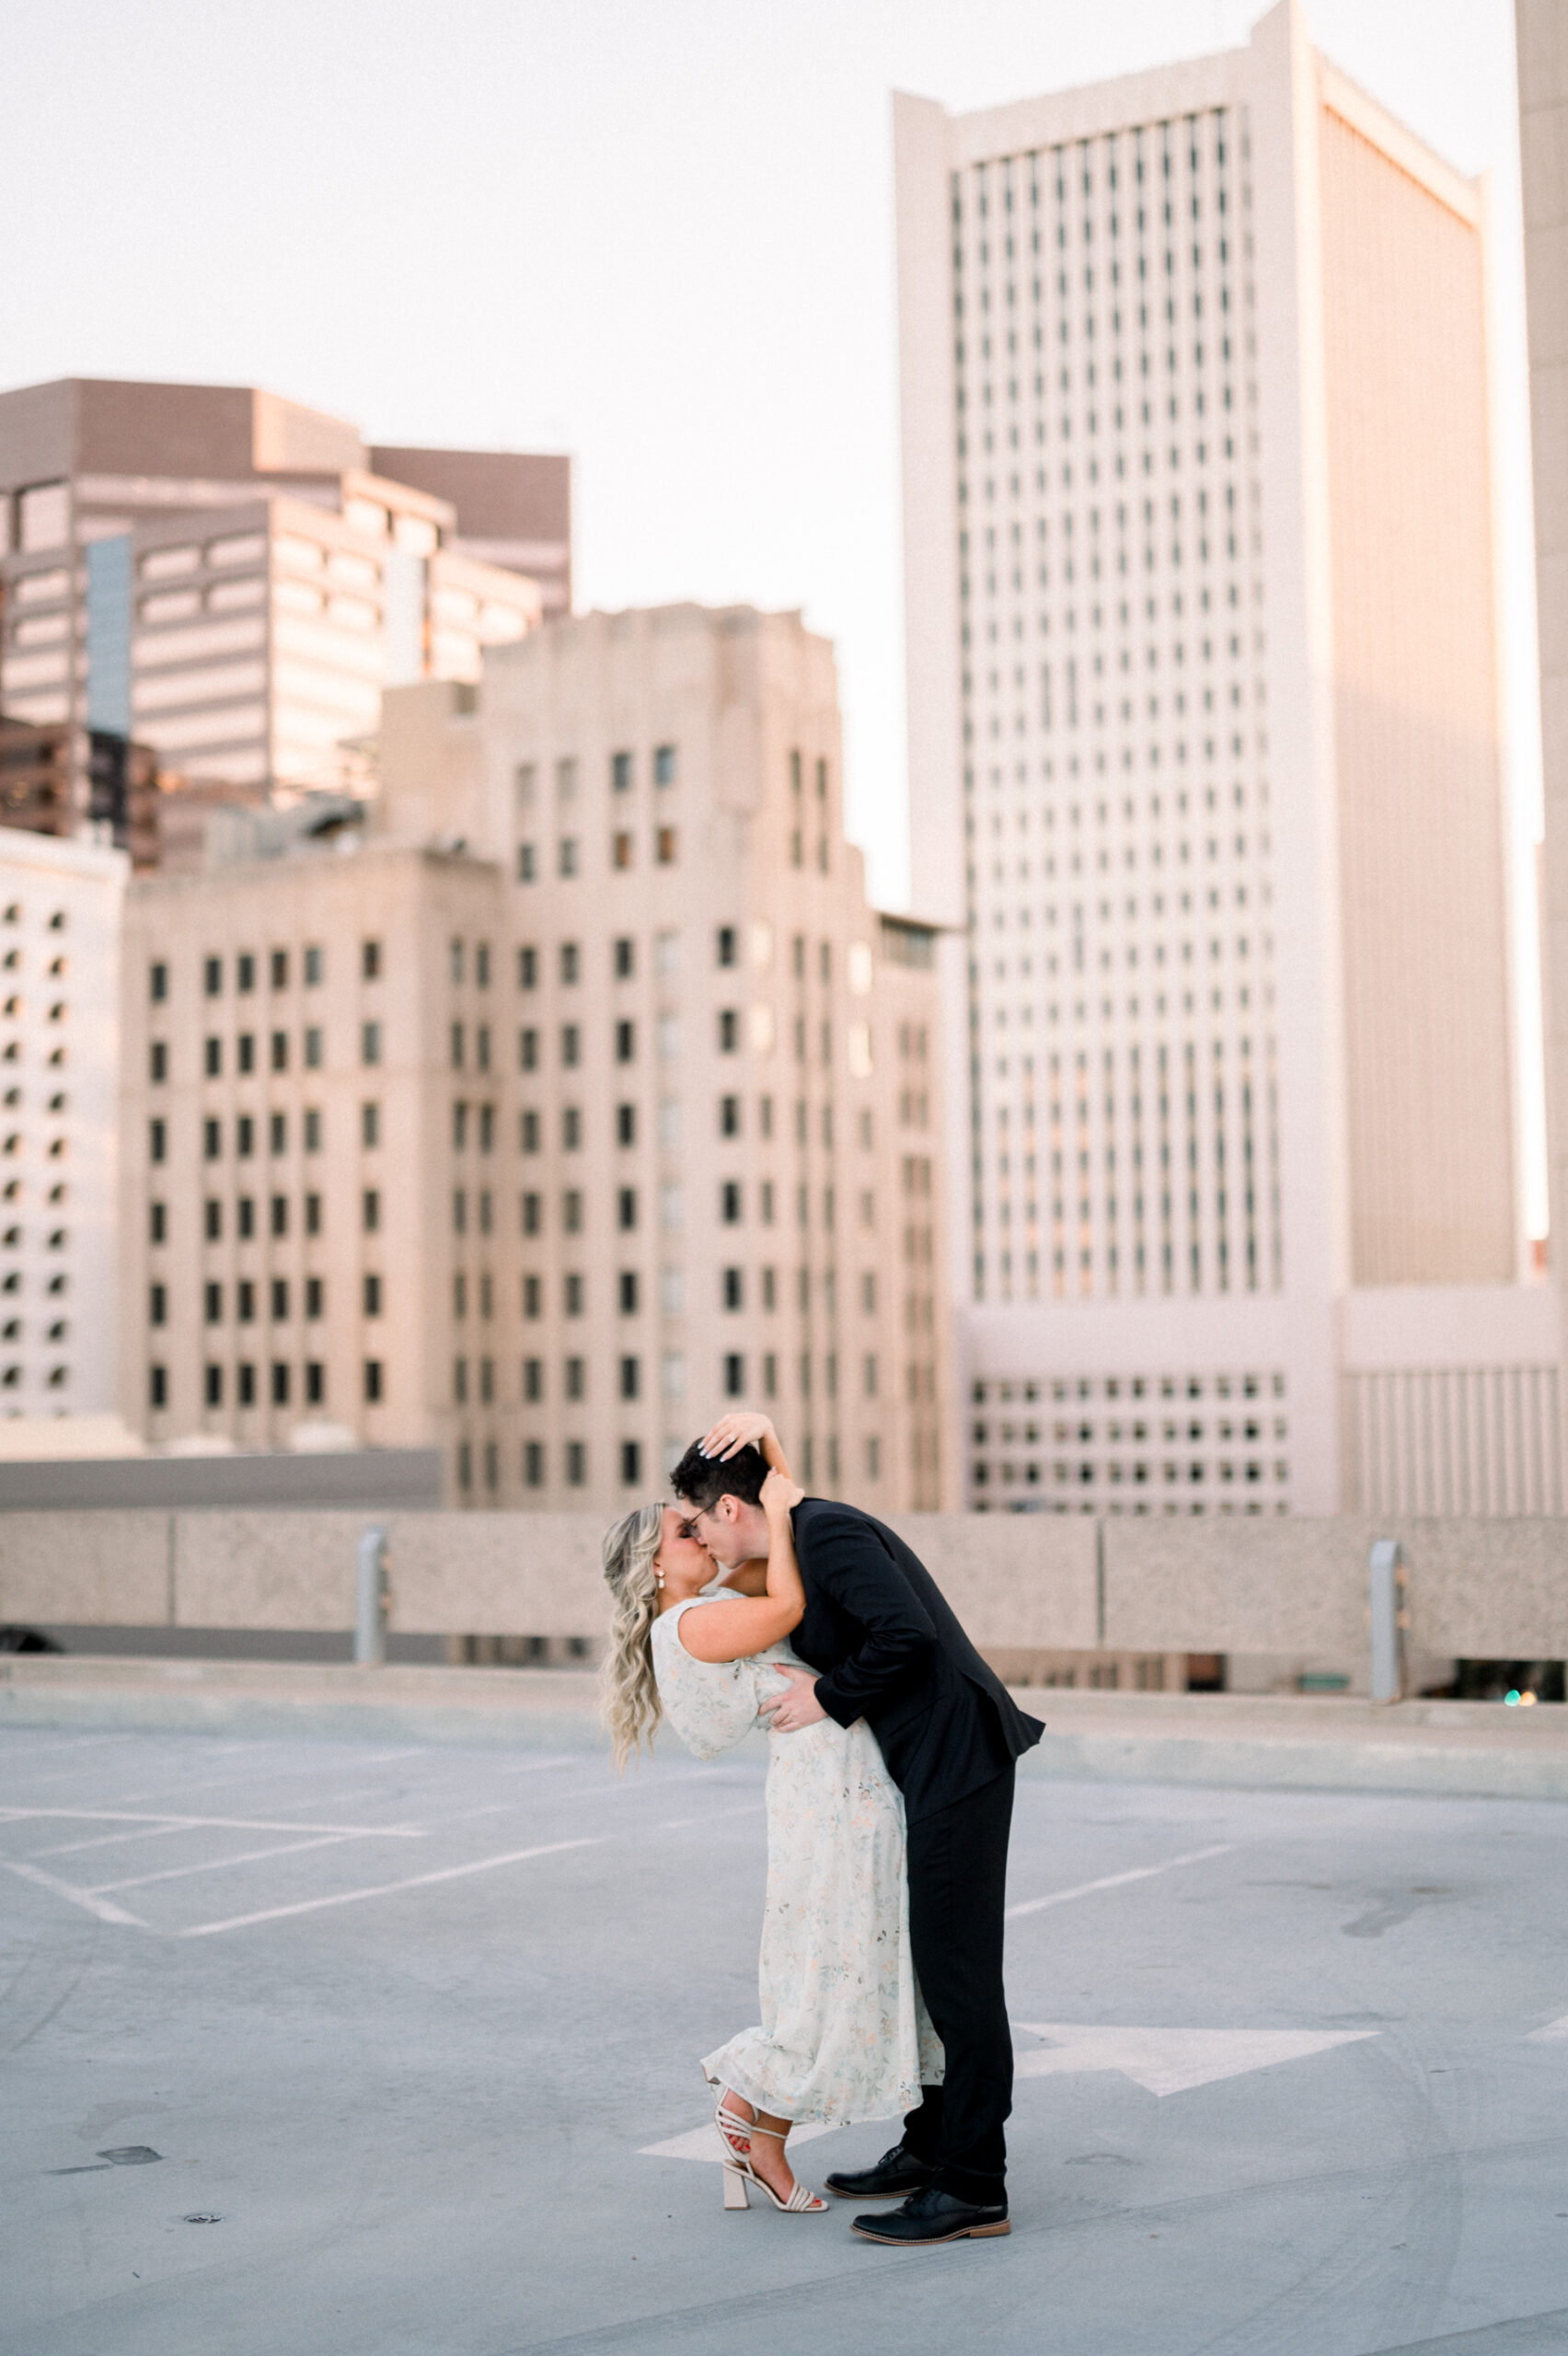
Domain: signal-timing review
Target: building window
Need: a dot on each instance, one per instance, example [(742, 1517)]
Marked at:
[(315, 1383), (532, 1296), (734, 1376), (729, 1117), (532, 1464), (459, 1127), (631, 1463), (734, 1288), (244, 1137), (455, 1049), (626, 1208), (628, 1292), (212, 976), (280, 969), (625, 1125), (532, 1207), (158, 1223), (213, 1304), (664, 846), (566, 855), (529, 1132), (465, 1465), (527, 863), (280, 1300), (729, 1031), (575, 1293), (727, 943), (314, 966), (620, 772), (624, 959), (570, 1045), (157, 1140), (369, 961), (528, 1050), (621, 850), (280, 1383), (244, 1051), (370, 1042), (157, 1062), (730, 1202), (626, 1043), (245, 1217), (871, 1378), (213, 1058), (572, 1210), (158, 1387), (533, 1380), (459, 1211), (278, 1132), (372, 1296), (370, 1210), (280, 1215), (212, 1386), (245, 973), (315, 1297), (158, 1305), (313, 1214), (576, 1465), (373, 1385), (314, 1056), (245, 1384), (245, 1301), (157, 983), (630, 1377), (576, 1379), (571, 1129), (460, 1381), (492, 1465), (312, 1130), (664, 764)]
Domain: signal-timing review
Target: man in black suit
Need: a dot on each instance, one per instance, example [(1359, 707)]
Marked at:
[(888, 1648)]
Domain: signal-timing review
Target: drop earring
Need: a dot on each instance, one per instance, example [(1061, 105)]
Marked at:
[(658, 1577)]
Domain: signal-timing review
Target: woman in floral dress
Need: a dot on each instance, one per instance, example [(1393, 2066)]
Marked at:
[(844, 2035)]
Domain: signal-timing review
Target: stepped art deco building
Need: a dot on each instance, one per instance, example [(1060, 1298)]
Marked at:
[(1205, 764), (579, 1095)]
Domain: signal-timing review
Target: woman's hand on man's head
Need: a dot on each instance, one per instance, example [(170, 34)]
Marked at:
[(745, 1428)]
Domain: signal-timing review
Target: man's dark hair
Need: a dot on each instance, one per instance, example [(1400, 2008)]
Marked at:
[(702, 1480)]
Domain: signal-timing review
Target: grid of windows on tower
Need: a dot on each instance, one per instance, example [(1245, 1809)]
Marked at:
[(1122, 1083), (1140, 1444), (35, 1104)]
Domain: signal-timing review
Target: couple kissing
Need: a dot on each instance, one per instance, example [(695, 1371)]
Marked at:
[(892, 1753)]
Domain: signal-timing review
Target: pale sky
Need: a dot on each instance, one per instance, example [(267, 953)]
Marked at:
[(655, 233)]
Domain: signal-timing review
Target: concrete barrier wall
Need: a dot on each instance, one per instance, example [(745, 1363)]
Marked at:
[(1493, 1590)]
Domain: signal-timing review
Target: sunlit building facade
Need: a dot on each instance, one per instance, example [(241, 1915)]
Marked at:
[(1205, 760)]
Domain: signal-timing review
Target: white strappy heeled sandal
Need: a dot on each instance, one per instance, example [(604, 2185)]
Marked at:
[(739, 2170)]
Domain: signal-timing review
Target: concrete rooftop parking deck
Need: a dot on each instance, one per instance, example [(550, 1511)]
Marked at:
[(402, 2024)]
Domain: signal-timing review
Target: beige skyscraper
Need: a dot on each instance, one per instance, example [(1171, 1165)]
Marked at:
[(1543, 141), (585, 1095), (1205, 754)]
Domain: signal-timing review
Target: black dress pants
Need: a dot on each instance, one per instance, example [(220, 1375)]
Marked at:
[(958, 1865)]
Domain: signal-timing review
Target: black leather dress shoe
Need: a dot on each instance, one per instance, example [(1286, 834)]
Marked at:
[(931, 2216), (896, 2173)]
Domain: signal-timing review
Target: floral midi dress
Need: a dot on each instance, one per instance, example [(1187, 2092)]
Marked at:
[(844, 2033)]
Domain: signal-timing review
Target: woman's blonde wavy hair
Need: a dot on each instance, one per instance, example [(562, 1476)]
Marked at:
[(630, 1696)]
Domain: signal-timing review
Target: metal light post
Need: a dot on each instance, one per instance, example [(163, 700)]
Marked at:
[(1386, 1583)]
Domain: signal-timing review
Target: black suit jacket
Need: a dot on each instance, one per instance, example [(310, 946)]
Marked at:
[(888, 1648)]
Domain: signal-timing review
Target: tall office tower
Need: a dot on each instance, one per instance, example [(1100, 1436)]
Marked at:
[(60, 905), (718, 1124), (1543, 146), (312, 1221), (220, 574), (1206, 755)]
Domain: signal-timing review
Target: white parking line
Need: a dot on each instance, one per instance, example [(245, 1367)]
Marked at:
[(384, 1889), (195, 1823), (1115, 1881), (104, 1908), (216, 1865)]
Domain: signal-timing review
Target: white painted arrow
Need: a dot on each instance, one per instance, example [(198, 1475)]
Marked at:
[(1554, 2033), (1165, 2060), (1169, 2060)]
